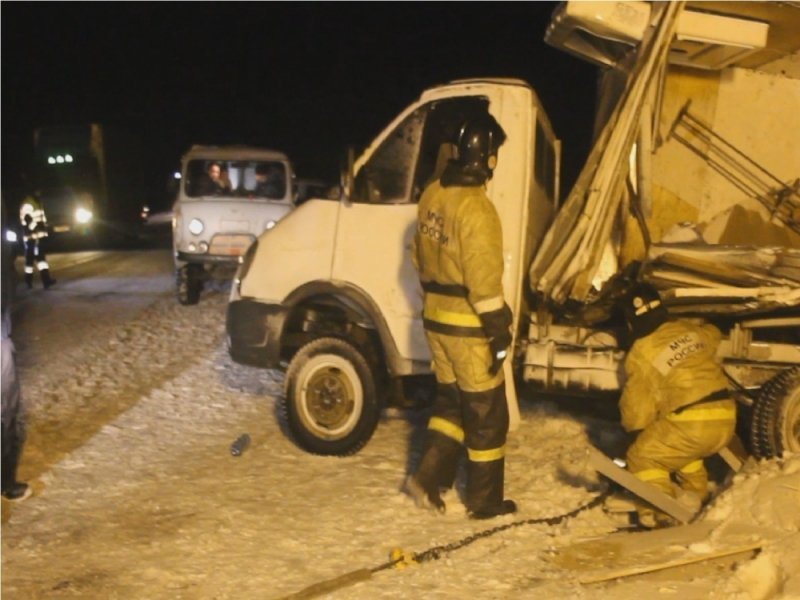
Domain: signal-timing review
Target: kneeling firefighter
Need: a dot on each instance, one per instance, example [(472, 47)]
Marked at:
[(458, 252), (675, 396)]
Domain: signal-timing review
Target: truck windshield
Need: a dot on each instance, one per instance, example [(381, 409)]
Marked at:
[(235, 178)]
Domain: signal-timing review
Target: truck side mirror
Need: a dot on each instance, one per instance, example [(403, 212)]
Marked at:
[(347, 177)]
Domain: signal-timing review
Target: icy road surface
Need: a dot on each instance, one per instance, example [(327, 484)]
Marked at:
[(133, 403)]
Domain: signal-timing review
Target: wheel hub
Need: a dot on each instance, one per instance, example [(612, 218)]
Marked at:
[(330, 401)]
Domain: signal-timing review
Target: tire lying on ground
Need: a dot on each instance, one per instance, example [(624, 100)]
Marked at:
[(330, 402), (775, 425)]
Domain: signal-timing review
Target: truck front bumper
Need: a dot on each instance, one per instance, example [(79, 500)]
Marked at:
[(254, 332)]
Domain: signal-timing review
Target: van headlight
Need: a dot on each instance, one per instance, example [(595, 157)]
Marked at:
[(83, 215), (196, 226)]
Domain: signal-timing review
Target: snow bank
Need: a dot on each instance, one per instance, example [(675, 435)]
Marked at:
[(764, 495)]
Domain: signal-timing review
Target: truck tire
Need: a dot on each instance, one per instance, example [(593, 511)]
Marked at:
[(775, 425), (330, 402), (189, 284)]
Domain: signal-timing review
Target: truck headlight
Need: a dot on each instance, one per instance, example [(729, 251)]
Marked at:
[(270, 224), (196, 226), (83, 216)]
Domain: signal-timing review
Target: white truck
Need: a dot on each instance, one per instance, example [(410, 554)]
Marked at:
[(331, 296)]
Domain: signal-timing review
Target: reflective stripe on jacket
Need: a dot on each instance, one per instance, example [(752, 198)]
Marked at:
[(672, 367), (458, 250), (37, 228)]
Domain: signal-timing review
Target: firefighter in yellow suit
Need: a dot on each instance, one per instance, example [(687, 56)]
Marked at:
[(675, 396), (458, 252)]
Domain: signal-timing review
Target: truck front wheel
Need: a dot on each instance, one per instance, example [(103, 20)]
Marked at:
[(775, 426), (330, 402)]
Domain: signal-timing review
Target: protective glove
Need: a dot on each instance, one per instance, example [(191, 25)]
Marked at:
[(497, 327)]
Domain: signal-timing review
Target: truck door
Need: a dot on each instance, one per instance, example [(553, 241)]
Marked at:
[(376, 227)]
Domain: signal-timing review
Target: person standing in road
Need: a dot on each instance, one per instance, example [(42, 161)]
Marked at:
[(34, 231), (13, 432), (458, 252), (675, 397)]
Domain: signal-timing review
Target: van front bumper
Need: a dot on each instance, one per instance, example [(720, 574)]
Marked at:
[(190, 257), (254, 330)]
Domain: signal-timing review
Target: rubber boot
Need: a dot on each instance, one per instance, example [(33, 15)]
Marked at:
[(484, 496), (448, 450), (486, 426), (449, 454), (437, 469), (47, 281), (424, 498), (10, 460), (17, 491), (441, 451), (29, 280), (12, 446)]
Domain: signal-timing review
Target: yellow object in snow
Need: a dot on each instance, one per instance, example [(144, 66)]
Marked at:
[(402, 558)]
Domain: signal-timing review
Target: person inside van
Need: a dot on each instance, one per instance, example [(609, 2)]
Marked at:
[(212, 184), (225, 181), (270, 181)]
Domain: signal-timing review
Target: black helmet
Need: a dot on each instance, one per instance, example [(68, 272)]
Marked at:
[(478, 141), (643, 309)]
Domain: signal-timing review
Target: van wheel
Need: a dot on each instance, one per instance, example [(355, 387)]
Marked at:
[(330, 401), (189, 282), (775, 426)]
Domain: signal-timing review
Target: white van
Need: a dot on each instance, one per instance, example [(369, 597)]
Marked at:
[(228, 196)]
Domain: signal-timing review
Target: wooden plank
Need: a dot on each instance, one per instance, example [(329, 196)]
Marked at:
[(734, 454), (670, 564), (605, 466)]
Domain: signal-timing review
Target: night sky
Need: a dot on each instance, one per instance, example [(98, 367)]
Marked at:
[(305, 78)]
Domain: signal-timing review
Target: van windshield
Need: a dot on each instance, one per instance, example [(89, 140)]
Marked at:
[(235, 178)]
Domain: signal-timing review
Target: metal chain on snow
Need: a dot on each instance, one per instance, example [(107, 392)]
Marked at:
[(437, 552), (401, 559)]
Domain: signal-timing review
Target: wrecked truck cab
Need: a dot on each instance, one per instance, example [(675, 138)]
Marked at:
[(694, 175), (228, 196), (331, 295)]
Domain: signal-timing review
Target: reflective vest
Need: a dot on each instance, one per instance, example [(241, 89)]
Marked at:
[(35, 227)]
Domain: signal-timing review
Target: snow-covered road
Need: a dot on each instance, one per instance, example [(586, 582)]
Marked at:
[(133, 403)]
